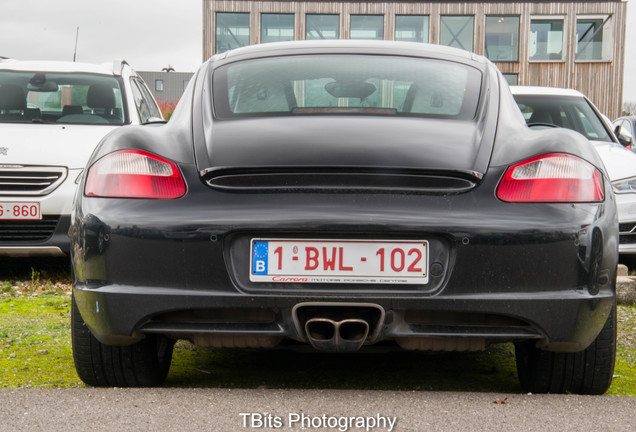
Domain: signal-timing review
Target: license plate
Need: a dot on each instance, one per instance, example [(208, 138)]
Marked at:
[(20, 211), (339, 261)]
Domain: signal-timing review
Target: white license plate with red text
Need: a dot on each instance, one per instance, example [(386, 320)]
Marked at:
[(20, 210), (339, 261)]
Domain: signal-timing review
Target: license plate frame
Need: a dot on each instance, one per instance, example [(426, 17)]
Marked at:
[(331, 261), (20, 210)]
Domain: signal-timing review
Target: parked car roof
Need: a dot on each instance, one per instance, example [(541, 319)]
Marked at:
[(538, 90), (108, 68)]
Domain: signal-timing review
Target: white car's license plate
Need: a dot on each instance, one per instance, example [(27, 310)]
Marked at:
[(339, 261), (20, 210)]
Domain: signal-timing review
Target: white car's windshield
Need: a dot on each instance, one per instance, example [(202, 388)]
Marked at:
[(564, 111), (47, 97)]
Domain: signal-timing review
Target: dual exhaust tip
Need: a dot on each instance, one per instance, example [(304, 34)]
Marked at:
[(347, 335)]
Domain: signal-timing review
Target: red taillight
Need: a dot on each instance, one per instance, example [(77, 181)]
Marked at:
[(554, 177), (134, 174)]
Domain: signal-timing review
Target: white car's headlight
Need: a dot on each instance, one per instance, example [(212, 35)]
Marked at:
[(625, 185)]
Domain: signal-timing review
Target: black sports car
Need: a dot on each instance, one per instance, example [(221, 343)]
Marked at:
[(345, 194)]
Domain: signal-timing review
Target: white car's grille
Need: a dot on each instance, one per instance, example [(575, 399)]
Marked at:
[(28, 231), (30, 180)]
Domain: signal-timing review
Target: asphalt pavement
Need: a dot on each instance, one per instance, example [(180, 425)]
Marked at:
[(233, 410)]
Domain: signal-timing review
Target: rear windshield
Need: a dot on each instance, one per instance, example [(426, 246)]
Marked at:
[(564, 111), (46, 97), (346, 84)]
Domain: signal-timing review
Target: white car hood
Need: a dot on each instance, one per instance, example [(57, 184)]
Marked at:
[(49, 144), (619, 162)]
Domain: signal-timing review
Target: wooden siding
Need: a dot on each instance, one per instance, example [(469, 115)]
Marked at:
[(601, 81)]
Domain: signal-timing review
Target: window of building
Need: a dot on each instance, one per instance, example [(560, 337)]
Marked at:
[(159, 85), (546, 39), (277, 27), (594, 38), (502, 38), (232, 31), (457, 31), (367, 27), (411, 28), (322, 26), (512, 78)]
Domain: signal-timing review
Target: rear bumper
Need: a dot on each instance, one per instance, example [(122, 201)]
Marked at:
[(560, 321)]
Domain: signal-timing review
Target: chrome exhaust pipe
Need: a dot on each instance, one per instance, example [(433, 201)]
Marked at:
[(321, 333), (343, 336), (351, 334)]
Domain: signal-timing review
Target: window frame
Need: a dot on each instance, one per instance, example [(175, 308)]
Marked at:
[(441, 27), (280, 38), (216, 30), (307, 15), (351, 17), (518, 36), (427, 19), (561, 18), (607, 43)]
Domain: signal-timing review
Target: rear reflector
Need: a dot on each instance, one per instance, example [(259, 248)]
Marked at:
[(134, 174), (554, 177)]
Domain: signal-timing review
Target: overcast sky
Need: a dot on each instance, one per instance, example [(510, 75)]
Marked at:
[(149, 34)]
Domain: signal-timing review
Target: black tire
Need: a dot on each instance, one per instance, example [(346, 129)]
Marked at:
[(585, 372), (143, 364)]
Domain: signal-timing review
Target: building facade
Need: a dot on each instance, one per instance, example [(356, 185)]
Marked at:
[(574, 44), (167, 86)]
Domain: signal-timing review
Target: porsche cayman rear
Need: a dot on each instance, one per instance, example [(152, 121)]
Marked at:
[(341, 195)]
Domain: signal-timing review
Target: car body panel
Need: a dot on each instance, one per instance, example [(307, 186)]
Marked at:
[(499, 271), (30, 149), (619, 162), (26, 144)]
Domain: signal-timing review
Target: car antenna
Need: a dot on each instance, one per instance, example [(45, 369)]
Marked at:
[(75, 51)]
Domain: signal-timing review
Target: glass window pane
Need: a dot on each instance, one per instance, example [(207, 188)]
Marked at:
[(144, 102), (457, 31), (512, 78), (322, 26), (565, 111), (411, 28), (232, 31), (367, 27), (277, 27), (502, 38), (61, 97), (346, 84), (593, 39), (546, 39)]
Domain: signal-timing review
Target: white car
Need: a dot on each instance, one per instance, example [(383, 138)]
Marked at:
[(550, 107), (52, 116)]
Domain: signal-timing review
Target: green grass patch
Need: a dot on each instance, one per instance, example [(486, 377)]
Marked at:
[(35, 351), (624, 383), (35, 343)]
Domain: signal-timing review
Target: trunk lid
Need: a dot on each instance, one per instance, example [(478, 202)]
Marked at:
[(340, 142)]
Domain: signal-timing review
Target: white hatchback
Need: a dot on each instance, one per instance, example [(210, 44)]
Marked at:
[(52, 116), (556, 107)]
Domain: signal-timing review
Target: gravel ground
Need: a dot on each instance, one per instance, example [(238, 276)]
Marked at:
[(219, 410)]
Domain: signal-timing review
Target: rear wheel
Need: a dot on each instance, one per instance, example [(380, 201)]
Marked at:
[(586, 372), (142, 364)]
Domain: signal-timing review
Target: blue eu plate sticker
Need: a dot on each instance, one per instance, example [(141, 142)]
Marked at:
[(259, 257)]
